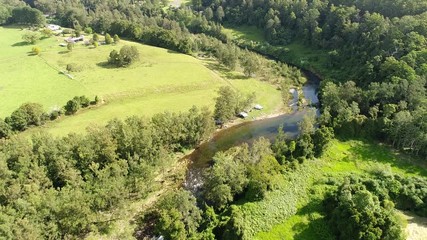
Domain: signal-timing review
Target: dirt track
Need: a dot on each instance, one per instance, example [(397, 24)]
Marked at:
[(416, 228)]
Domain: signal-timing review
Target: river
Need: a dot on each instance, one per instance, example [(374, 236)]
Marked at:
[(247, 132)]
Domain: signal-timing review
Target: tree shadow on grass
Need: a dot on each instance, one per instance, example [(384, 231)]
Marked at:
[(375, 152), (63, 52), (106, 65), (174, 52), (317, 227), (20, 44), (224, 71)]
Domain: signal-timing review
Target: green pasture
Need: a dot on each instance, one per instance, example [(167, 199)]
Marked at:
[(161, 81), (27, 78)]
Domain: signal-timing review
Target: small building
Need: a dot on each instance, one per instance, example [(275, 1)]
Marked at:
[(258, 107), (243, 115), (53, 27)]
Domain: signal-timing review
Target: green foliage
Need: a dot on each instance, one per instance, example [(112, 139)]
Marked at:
[(46, 32), (76, 103), (240, 171), (250, 63), (5, 129), (226, 102), (124, 58), (74, 67), (28, 114), (116, 38), (66, 31), (88, 30), (69, 181), (27, 15), (72, 106), (95, 37), (175, 216), (322, 136), (36, 50), (230, 102), (31, 37), (108, 39), (355, 212)]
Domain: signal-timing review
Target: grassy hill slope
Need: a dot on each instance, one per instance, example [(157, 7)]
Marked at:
[(162, 80)]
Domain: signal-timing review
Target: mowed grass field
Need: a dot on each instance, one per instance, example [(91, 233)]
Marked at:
[(26, 78), (161, 81)]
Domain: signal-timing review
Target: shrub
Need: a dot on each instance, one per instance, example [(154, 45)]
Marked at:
[(108, 39), (54, 114), (95, 37), (5, 129), (72, 106), (84, 101), (66, 31), (126, 56), (116, 38), (355, 211), (88, 30), (26, 115), (46, 32), (74, 67), (36, 50), (31, 37), (95, 101)]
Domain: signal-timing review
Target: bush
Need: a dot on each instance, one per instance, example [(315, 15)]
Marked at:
[(126, 56), (72, 106), (31, 37), (76, 103), (88, 30), (108, 39), (54, 114), (66, 31), (46, 32), (84, 101), (355, 211), (36, 50), (26, 115), (74, 67), (5, 129), (95, 37), (95, 101), (116, 38)]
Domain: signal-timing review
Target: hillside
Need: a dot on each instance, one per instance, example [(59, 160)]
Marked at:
[(162, 80)]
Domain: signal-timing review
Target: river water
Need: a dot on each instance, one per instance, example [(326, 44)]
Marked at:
[(247, 132)]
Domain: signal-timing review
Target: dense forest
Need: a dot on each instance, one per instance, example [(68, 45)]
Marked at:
[(66, 188)]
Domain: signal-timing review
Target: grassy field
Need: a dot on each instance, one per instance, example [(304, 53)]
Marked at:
[(251, 33), (162, 80), (28, 78), (296, 52), (341, 159)]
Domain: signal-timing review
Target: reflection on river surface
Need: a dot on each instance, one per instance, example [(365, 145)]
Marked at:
[(247, 132)]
